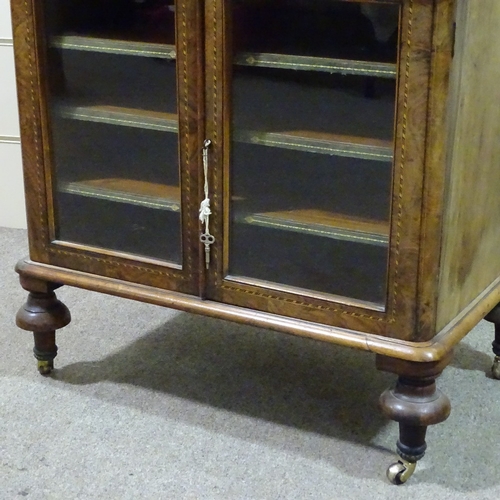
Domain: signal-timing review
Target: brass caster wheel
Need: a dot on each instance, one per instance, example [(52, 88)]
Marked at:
[(401, 471), (495, 369), (45, 367)]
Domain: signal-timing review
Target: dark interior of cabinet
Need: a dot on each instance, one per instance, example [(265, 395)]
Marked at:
[(142, 83), (146, 20), (274, 184), (86, 150), (315, 179), (323, 28), (124, 227), (272, 179), (304, 262), (279, 100), (89, 154)]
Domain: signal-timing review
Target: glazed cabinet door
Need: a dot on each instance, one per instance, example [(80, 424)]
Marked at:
[(309, 109), (117, 145), (314, 118)]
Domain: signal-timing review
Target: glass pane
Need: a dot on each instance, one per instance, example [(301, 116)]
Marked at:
[(113, 108), (313, 106)]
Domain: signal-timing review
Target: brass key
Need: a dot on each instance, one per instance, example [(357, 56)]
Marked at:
[(207, 239)]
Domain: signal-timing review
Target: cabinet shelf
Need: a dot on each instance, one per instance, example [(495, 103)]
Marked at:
[(254, 59), (322, 64), (127, 117), (115, 46), (308, 221), (312, 142), (325, 224), (141, 193), (321, 143)]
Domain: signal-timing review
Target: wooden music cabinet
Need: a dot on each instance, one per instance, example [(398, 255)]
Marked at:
[(328, 169)]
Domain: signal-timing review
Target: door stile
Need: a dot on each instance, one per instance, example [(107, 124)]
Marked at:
[(217, 132), (27, 41), (413, 94), (190, 84)]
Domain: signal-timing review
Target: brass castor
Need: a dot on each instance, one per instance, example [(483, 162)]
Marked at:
[(401, 471), (495, 369), (45, 367)]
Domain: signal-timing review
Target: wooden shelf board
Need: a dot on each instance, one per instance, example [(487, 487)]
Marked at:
[(322, 64), (142, 193), (326, 224), (127, 117), (115, 46), (321, 143)]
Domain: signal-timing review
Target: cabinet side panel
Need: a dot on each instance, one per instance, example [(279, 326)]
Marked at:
[(26, 39), (471, 238), (434, 174)]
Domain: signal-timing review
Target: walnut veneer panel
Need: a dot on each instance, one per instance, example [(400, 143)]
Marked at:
[(471, 238)]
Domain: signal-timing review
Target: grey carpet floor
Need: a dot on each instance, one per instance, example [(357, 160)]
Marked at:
[(149, 403)]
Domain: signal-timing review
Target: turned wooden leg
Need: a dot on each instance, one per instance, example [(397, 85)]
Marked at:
[(494, 317), (42, 314), (414, 403)]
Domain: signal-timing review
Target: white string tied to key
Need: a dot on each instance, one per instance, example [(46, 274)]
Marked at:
[(206, 238), (205, 211)]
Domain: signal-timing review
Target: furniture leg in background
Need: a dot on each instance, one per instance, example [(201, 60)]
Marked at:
[(494, 317)]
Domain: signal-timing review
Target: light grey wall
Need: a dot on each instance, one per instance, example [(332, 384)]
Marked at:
[(12, 212)]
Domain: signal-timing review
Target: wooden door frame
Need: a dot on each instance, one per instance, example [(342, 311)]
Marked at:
[(32, 83), (400, 316)]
